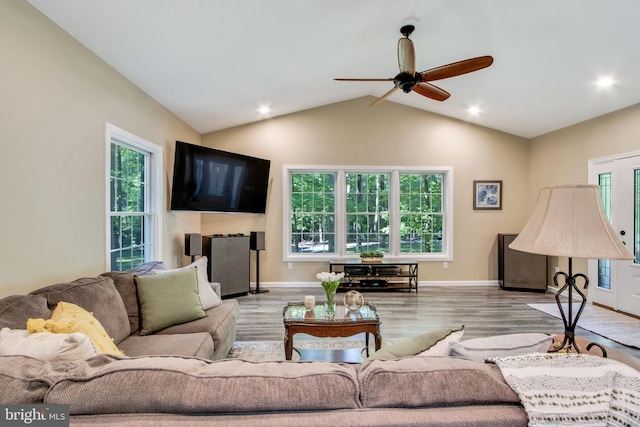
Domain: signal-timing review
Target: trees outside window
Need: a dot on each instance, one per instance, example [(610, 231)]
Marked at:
[(342, 212), (312, 213), (130, 218), (134, 220)]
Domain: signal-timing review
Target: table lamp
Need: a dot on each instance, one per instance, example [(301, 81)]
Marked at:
[(568, 221)]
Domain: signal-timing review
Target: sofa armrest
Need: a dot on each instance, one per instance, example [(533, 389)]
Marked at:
[(216, 287)]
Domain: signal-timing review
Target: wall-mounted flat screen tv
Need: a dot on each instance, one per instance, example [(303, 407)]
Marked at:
[(210, 180)]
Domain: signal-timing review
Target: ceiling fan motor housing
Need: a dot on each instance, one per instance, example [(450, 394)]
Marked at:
[(406, 82), (406, 30)]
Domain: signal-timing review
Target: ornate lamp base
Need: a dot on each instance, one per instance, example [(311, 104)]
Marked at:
[(570, 322)]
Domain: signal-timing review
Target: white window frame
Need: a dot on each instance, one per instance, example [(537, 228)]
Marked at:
[(394, 215), (155, 194)]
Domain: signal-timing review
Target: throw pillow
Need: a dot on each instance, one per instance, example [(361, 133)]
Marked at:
[(45, 345), (480, 349), (168, 299), (434, 343), (208, 297), (68, 318)]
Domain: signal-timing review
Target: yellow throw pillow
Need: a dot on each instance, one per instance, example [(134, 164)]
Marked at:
[(68, 318)]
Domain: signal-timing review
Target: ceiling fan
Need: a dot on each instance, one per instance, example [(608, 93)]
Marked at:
[(410, 80)]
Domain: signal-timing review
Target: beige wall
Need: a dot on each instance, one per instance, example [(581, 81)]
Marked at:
[(56, 97), (562, 157), (350, 133)]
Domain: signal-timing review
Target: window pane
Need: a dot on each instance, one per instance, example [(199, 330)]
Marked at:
[(367, 212), (421, 213), (137, 231), (636, 216), (312, 213), (115, 258), (604, 265), (115, 232), (129, 230), (296, 183)]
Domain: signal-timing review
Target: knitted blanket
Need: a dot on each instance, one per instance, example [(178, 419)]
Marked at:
[(573, 389)]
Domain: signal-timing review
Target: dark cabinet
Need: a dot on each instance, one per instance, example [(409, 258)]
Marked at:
[(520, 271), (228, 262)]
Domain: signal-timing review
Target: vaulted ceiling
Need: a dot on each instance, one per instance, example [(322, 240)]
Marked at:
[(213, 63)]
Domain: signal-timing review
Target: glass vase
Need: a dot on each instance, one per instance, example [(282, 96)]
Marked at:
[(330, 305)]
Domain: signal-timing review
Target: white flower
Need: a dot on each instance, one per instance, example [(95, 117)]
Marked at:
[(329, 277)]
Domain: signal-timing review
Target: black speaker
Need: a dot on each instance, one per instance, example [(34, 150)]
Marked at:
[(192, 244), (257, 241), (520, 271)]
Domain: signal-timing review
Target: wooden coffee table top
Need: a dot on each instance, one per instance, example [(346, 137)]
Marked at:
[(295, 312)]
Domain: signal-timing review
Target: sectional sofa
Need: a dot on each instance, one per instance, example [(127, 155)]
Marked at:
[(113, 300), (177, 375)]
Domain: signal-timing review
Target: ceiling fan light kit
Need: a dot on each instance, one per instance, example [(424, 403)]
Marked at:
[(409, 79)]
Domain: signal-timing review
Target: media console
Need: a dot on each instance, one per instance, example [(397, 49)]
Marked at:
[(383, 275)]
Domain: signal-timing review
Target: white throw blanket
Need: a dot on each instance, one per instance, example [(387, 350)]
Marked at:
[(560, 389)]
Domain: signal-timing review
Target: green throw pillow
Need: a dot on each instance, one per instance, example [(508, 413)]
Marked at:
[(421, 345), (168, 299)]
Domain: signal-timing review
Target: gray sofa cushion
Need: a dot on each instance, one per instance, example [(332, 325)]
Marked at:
[(431, 381), (161, 384), (126, 286), (196, 344), (15, 310), (97, 295), (24, 379)]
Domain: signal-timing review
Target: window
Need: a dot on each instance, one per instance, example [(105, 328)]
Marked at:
[(313, 212), (335, 213), (367, 212), (134, 194), (604, 265)]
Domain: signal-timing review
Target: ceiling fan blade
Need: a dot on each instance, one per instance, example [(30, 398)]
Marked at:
[(383, 97), (431, 91), (406, 56), (365, 80), (457, 68)]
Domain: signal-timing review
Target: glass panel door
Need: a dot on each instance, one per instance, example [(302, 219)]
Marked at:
[(618, 282)]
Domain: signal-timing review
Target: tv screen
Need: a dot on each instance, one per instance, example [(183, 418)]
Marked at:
[(210, 180)]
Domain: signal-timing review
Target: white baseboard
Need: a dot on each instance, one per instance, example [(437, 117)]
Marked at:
[(461, 283), (422, 284)]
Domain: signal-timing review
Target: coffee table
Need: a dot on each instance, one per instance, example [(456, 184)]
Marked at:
[(345, 323)]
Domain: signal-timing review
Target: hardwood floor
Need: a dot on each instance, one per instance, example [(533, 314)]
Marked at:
[(484, 310)]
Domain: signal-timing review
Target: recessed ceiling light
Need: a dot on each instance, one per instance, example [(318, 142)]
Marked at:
[(473, 110), (606, 81), (264, 109)]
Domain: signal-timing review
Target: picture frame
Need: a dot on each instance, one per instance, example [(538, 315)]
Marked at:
[(487, 195)]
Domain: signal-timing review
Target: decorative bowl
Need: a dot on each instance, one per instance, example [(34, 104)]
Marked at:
[(353, 300)]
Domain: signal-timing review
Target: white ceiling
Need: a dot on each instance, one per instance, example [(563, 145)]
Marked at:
[(214, 62)]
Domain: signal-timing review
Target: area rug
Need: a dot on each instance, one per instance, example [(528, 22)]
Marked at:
[(607, 323), (260, 351)]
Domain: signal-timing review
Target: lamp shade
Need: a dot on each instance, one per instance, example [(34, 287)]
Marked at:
[(569, 221)]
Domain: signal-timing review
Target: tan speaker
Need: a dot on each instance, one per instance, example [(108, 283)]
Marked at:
[(257, 242), (192, 244)]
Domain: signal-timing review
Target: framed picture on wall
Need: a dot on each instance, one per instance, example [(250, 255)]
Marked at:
[(487, 195)]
